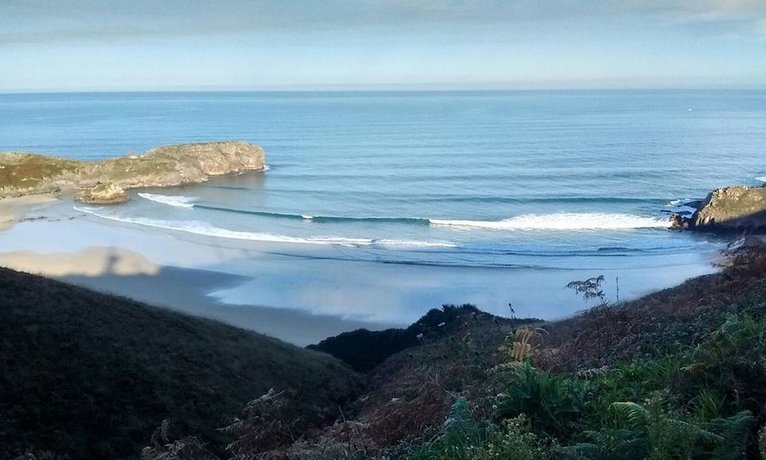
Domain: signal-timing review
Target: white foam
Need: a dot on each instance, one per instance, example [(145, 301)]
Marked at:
[(679, 206), (761, 178), (266, 168), (416, 244), (178, 201), (684, 209), (206, 229), (560, 221)]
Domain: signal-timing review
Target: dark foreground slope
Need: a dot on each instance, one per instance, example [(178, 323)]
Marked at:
[(90, 376), (680, 373)]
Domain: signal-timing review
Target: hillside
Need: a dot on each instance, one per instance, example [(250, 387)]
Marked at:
[(363, 350), (91, 376), (676, 374)]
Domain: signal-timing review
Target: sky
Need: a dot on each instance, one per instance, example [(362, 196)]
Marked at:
[(113, 45)]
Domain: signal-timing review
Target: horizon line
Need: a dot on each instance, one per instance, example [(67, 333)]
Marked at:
[(406, 89)]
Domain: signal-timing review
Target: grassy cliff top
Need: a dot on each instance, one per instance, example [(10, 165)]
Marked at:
[(28, 170), (30, 173)]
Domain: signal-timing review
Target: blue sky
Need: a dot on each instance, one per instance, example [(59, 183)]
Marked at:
[(82, 45)]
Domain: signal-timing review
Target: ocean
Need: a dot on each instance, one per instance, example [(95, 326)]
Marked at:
[(381, 205)]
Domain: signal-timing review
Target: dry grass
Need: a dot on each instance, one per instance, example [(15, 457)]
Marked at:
[(410, 393), (33, 173), (671, 318)]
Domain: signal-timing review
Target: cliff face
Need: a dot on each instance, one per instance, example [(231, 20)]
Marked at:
[(732, 209), (106, 181)]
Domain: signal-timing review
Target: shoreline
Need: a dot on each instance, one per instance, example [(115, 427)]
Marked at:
[(255, 285), (15, 209), (187, 291), (150, 276)]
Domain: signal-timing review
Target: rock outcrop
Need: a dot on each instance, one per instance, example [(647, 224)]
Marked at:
[(679, 221), (103, 194), (732, 209), (105, 181)]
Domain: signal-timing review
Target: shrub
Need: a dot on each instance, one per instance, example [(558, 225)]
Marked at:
[(656, 430), (363, 349), (554, 404), (464, 438)]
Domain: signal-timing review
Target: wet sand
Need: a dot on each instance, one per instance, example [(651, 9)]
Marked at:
[(150, 267), (269, 288), (14, 209), (186, 291)]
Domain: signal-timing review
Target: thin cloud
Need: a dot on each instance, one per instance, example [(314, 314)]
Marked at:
[(37, 21)]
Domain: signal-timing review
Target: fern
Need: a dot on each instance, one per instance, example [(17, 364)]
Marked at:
[(731, 430), (635, 415), (459, 418), (523, 343), (553, 403)]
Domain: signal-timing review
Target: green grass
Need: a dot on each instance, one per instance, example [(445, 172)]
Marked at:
[(90, 375), (29, 171)]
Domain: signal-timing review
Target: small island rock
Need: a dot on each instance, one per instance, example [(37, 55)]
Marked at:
[(103, 194)]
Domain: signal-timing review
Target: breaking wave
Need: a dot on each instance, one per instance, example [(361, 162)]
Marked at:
[(560, 221), (207, 229), (178, 201)]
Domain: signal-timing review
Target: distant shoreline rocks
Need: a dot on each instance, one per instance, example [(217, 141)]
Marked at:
[(106, 181)]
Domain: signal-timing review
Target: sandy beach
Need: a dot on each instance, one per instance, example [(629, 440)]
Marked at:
[(125, 273), (269, 288), (103, 257), (187, 291), (14, 209)]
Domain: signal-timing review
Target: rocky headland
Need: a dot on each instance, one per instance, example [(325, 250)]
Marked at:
[(106, 182), (733, 208), (726, 210)]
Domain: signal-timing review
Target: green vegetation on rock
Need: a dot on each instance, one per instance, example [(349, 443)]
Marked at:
[(26, 173), (104, 182), (733, 209)]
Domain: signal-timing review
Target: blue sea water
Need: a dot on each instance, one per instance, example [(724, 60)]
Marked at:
[(485, 182)]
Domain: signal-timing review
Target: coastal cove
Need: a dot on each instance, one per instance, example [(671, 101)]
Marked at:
[(375, 208), (383, 230), (297, 292)]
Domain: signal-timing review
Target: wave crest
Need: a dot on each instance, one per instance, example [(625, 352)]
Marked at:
[(318, 219), (178, 201), (206, 229), (560, 221)]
